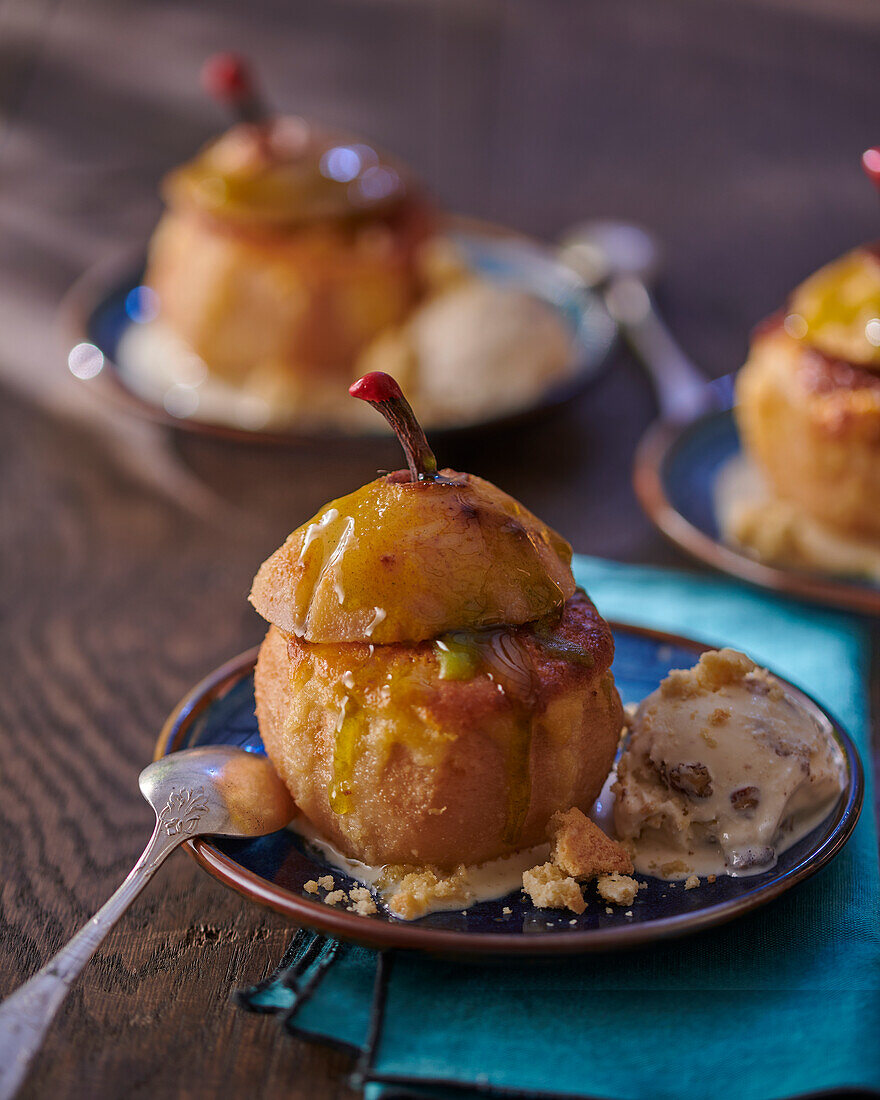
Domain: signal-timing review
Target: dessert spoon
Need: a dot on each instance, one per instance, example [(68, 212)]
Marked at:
[(621, 261), (216, 790)]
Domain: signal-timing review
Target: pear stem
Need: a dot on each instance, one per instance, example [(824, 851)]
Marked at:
[(382, 392), (227, 77)]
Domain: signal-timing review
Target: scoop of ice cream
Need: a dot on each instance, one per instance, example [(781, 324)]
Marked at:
[(477, 349), (724, 769)]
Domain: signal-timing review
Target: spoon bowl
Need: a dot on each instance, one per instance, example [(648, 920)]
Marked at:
[(219, 790), (599, 250)]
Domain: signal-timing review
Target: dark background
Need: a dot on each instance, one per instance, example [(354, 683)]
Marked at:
[(732, 128)]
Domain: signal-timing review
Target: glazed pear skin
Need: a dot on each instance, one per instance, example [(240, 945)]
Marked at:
[(404, 561), (410, 753)]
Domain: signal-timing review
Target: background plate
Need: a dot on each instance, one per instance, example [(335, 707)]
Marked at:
[(675, 470), (273, 870), (94, 311)]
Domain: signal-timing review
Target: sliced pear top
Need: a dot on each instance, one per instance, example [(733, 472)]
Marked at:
[(402, 561), (286, 174), (837, 310)]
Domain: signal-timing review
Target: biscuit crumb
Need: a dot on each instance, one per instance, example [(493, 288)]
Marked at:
[(549, 888), (692, 882), (414, 894), (608, 909), (326, 882), (507, 910), (311, 887), (582, 850), (619, 889), (711, 878), (628, 913), (335, 897), (362, 902), (715, 669), (573, 920)]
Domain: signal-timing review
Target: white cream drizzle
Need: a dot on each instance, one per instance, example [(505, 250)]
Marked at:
[(329, 565), (336, 557), (378, 617), (314, 530), (494, 879)]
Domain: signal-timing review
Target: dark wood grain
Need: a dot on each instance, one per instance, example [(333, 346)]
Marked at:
[(732, 129)]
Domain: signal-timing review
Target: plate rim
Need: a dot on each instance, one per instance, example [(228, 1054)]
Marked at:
[(654, 448), (97, 282), (412, 936)]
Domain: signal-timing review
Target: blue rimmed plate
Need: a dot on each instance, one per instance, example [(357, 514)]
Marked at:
[(676, 468), (273, 870), (104, 303)]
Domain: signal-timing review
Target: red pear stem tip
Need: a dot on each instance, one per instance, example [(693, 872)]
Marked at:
[(871, 165), (228, 78), (382, 392), (375, 387)]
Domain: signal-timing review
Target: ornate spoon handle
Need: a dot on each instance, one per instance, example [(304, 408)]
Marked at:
[(26, 1014)]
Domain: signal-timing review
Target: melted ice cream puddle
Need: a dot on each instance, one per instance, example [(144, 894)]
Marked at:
[(778, 532), (495, 879), (159, 367)]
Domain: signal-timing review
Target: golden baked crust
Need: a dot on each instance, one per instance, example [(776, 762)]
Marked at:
[(301, 304), (812, 424), (394, 764)]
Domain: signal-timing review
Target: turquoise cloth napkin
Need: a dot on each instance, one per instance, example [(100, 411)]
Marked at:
[(781, 1002)]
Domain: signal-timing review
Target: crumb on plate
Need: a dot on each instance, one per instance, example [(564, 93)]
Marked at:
[(551, 888), (618, 889), (581, 850), (414, 894), (362, 901)]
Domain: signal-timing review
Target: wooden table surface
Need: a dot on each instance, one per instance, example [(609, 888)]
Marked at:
[(734, 130)]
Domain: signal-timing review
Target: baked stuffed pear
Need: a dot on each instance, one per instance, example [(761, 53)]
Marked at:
[(809, 395), (284, 249), (432, 687)]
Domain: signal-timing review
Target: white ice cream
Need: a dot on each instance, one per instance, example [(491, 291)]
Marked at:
[(724, 770)]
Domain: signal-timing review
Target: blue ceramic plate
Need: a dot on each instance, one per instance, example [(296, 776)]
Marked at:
[(675, 472), (105, 301), (273, 870)]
